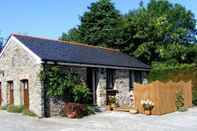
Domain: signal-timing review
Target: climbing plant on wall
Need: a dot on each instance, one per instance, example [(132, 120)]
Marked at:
[(65, 84)]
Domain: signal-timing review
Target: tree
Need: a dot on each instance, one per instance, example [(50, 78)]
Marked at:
[(160, 23), (72, 35), (99, 25), (142, 33)]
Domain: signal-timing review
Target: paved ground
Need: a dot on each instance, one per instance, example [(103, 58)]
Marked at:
[(107, 121)]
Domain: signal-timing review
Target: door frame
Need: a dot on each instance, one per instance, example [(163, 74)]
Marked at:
[(92, 83), (25, 93), (10, 92)]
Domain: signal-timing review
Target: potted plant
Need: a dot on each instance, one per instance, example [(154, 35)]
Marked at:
[(112, 102), (148, 105)]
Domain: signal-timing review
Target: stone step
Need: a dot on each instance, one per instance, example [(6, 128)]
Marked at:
[(127, 109)]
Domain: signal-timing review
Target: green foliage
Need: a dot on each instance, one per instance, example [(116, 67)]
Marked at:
[(4, 107), (178, 53), (72, 35), (89, 110), (182, 109), (179, 100), (99, 25), (159, 24), (112, 100), (18, 109), (81, 93), (159, 31), (175, 72), (194, 97), (164, 71), (29, 113), (65, 84), (15, 109)]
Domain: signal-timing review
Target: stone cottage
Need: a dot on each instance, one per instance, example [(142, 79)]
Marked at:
[(102, 69)]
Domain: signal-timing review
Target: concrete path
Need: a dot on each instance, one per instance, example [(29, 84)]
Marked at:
[(107, 121)]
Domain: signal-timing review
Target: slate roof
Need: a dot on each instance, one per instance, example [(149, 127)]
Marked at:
[(59, 51)]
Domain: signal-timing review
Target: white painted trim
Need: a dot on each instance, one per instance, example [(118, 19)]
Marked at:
[(38, 59), (99, 66), (6, 45)]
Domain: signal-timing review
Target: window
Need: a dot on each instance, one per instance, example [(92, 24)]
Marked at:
[(110, 78)]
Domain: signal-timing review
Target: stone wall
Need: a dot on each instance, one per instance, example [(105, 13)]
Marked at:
[(122, 85), (56, 106), (17, 64)]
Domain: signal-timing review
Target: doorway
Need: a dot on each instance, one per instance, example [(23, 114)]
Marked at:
[(10, 93), (25, 93), (92, 83)]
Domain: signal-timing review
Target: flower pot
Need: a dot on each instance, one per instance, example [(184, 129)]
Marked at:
[(73, 110), (72, 114), (113, 106), (147, 112), (108, 108)]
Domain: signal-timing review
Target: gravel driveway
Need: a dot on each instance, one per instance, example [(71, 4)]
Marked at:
[(107, 121)]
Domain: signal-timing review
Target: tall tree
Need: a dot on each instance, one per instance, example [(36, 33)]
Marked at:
[(145, 32), (159, 23), (72, 35), (99, 25)]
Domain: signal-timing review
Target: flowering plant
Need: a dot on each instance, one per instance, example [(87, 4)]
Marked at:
[(147, 104)]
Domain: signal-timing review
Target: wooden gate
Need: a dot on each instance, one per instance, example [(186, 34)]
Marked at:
[(10, 93), (163, 95), (25, 89)]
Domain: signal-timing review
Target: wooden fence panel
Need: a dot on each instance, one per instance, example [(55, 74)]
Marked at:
[(163, 95)]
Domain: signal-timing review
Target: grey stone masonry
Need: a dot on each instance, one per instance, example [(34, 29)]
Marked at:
[(17, 64), (122, 85)]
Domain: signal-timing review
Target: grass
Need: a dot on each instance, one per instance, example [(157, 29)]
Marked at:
[(4, 108), (15, 109), (18, 109), (29, 113)]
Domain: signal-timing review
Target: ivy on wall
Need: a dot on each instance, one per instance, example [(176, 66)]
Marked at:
[(65, 84)]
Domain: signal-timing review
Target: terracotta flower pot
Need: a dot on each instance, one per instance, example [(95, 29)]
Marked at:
[(73, 110), (72, 115), (113, 106)]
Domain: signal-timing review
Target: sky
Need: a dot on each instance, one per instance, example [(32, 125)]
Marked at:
[(49, 18)]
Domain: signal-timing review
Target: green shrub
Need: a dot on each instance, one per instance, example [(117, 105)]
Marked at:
[(89, 110), (81, 94), (66, 84), (29, 113), (15, 109), (182, 109), (194, 97), (179, 100), (4, 107)]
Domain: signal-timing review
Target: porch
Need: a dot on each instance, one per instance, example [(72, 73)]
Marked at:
[(103, 82)]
